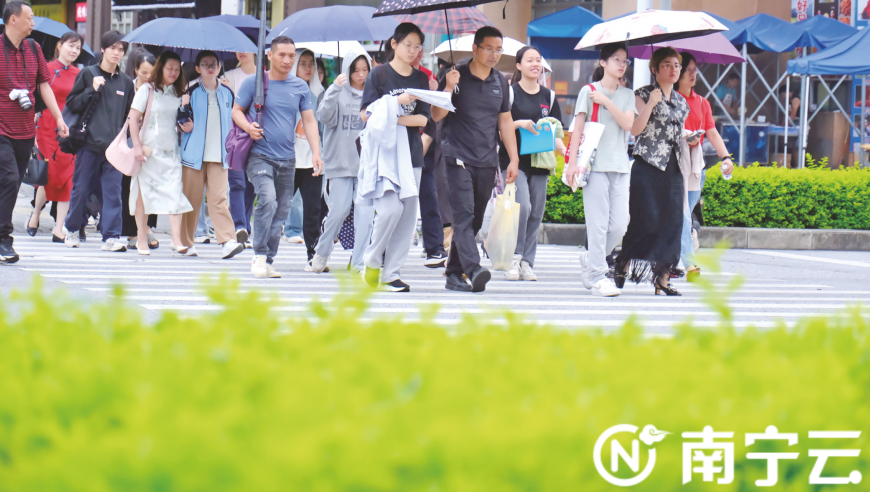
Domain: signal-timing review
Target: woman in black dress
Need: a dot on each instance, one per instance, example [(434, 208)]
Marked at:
[(651, 246)]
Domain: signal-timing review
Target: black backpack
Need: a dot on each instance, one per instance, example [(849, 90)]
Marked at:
[(78, 122)]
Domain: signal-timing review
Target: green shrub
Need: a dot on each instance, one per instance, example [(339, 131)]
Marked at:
[(93, 400), (816, 198)]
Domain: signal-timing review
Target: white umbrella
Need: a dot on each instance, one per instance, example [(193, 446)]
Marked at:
[(330, 48), (462, 49), (650, 27)]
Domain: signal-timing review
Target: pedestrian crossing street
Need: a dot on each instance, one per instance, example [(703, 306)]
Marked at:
[(166, 282)]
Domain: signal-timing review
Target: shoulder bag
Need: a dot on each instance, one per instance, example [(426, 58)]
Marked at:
[(119, 154), (36, 173), (78, 122), (238, 141)]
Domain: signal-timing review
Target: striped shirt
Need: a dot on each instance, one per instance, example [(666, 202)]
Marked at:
[(15, 122)]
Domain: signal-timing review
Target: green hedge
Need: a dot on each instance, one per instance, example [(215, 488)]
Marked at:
[(93, 400), (760, 197)]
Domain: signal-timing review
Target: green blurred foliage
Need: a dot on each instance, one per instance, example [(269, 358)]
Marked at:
[(243, 400), (811, 198)]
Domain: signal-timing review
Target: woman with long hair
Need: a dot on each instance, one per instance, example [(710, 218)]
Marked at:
[(605, 182), (142, 66), (700, 118), (531, 102), (651, 246), (60, 165), (157, 189)]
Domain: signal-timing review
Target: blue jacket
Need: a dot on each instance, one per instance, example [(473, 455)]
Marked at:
[(193, 143)]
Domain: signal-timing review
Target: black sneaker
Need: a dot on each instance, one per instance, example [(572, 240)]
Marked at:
[(82, 236), (436, 261), (7, 254), (372, 276), (457, 282), (397, 286), (479, 280)]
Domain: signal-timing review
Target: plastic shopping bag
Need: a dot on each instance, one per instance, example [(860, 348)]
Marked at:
[(502, 239), (588, 143)]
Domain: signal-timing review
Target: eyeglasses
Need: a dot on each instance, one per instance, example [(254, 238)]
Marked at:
[(412, 47), (624, 63), (208, 66), (669, 66), (490, 51), (692, 71)]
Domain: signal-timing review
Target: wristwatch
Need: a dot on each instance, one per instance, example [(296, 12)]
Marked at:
[(726, 157)]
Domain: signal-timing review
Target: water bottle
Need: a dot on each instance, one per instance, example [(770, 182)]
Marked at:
[(726, 177)]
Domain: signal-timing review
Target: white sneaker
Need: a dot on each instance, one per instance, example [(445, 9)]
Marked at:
[(191, 251), (526, 272), (294, 239), (318, 263), (204, 239), (258, 267), (584, 262), (113, 245), (514, 272), (231, 248), (272, 272), (71, 240), (605, 288)]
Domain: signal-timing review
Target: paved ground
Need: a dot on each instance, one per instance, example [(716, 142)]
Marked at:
[(779, 285)]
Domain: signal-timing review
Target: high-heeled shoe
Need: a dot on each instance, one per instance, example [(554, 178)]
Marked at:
[(667, 290), (619, 279), (178, 249)]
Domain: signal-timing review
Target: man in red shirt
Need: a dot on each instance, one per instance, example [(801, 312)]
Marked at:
[(25, 70)]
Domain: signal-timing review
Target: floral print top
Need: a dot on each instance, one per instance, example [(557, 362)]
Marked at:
[(664, 129)]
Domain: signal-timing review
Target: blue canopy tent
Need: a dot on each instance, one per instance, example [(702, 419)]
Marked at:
[(822, 32), (848, 58), (556, 35)]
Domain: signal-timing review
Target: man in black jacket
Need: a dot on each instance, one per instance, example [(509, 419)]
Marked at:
[(116, 92)]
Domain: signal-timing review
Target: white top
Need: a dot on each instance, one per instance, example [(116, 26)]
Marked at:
[(236, 76), (212, 151)]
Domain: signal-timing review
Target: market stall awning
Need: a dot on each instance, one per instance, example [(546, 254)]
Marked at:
[(767, 33), (846, 58), (822, 32), (555, 35)]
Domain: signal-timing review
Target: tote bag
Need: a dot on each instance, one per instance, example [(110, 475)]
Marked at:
[(592, 131), (119, 154), (502, 238)]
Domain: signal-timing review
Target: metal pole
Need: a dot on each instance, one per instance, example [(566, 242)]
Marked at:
[(863, 118), (805, 106), (641, 67), (785, 123), (259, 95), (743, 109)]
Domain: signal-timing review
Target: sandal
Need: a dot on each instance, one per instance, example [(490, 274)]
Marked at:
[(153, 243)]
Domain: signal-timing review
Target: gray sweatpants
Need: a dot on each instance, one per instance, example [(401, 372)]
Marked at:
[(394, 225), (532, 197), (342, 192), (605, 202)]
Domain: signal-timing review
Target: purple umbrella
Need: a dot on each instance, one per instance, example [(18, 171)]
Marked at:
[(712, 48)]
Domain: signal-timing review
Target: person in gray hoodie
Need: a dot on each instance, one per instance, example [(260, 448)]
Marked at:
[(339, 113)]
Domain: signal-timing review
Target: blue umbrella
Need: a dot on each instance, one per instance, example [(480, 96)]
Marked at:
[(248, 24), (47, 32), (344, 22), (188, 36)]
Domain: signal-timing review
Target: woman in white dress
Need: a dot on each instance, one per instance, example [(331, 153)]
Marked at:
[(157, 189)]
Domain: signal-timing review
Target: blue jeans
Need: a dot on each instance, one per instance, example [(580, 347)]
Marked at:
[(293, 224), (687, 249), (90, 165), (241, 199), (273, 182), (430, 213)]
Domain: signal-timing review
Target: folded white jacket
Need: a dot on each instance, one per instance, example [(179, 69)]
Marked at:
[(385, 155), (691, 165)]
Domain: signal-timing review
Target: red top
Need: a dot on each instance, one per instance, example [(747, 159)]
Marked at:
[(700, 115), (15, 122), (427, 72), (61, 81)]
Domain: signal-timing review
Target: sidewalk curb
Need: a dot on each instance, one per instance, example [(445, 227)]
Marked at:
[(738, 237)]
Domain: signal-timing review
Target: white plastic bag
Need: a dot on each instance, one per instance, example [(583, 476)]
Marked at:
[(502, 239), (592, 132)]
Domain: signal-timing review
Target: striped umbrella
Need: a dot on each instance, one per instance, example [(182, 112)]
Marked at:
[(461, 20)]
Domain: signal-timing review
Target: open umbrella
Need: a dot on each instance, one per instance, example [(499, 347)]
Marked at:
[(462, 20), (461, 48), (650, 27), (248, 24), (47, 32), (188, 36), (330, 49), (712, 48), (396, 7)]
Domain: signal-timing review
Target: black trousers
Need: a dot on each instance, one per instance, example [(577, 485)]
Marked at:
[(470, 188), (430, 212), (311, 189), (14, 156)]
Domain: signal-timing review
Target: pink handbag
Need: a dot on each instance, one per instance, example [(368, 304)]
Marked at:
[(119, 153)]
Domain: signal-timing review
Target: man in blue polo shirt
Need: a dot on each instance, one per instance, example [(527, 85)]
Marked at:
[(482, 101)]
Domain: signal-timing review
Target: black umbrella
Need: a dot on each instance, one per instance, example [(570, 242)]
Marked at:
[(259, 92), (395, 7)]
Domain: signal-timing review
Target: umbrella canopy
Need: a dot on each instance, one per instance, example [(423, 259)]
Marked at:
[(555, 35), (712, 48), (47, 32), (188, 36), (343, 21), (462, 49), (823, 32), (460, 20), (248, 24), (394, 7), (330, 48), (650, 27), (768, 33), (847, 58)]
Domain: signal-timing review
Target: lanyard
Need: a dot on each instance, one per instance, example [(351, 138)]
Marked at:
[(8, 68)]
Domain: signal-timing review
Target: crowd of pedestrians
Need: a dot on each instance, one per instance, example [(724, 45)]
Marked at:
[(388, 157)]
